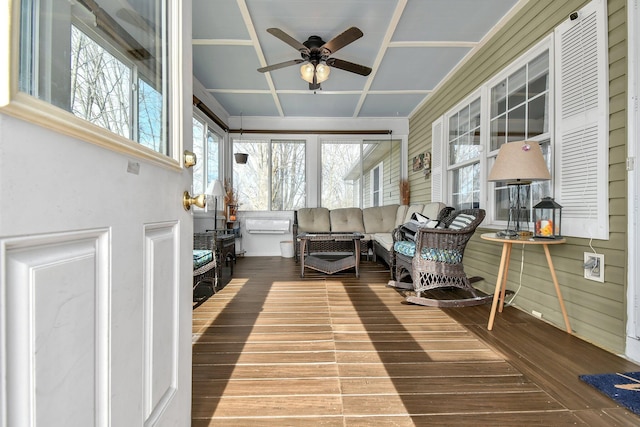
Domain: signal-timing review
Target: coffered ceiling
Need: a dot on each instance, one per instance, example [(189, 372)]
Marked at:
[(410, 45)]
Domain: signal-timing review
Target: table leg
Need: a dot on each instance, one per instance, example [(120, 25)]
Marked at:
[(356, 245), (505, 275), (506, 246), (557, 286), (303, 244)]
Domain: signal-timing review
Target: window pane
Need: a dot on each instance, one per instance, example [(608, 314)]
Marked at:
[(466, 187), (498, 132), (341, 174), (499, 99), (150, 129), (539, 75), (252, 180), (516, 124), (198, 149), (100, 85), (103, 63), (213, 157), (464, 142), (288, 185), (538, 120), (517, 88)]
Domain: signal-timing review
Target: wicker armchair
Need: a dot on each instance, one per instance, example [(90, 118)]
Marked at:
[(434, 262), (205, 267)]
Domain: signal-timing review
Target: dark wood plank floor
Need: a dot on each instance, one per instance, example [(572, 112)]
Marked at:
[(274, 349)]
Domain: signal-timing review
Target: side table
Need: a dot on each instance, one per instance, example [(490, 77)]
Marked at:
[(503, 271), (225, 247)]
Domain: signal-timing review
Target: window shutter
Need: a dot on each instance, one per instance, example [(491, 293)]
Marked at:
[(582, 119), (437, 160)]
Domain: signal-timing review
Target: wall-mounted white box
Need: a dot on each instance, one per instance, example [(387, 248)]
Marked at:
[(594, 266)]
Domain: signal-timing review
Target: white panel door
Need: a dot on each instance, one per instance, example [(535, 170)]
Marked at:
[(95, 245), (96, 284)]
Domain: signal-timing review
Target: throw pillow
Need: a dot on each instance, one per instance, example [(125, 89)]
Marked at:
[(461, 221)]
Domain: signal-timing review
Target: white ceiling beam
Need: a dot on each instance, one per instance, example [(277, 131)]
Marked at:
[(246, 16), (393, 23)]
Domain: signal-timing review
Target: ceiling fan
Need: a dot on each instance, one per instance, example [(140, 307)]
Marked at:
[(316, 56)]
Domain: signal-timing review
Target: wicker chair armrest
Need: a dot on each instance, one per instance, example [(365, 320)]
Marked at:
[(446, 238)]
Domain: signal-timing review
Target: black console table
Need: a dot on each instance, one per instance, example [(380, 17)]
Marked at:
[(225, 246)]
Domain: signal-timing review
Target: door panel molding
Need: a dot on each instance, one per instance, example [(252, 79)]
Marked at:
[(56, 328), (161, 317)]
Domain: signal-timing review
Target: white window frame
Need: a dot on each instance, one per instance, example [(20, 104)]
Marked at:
[(269, 140), (447, 178), (27, 107), (209, 125), (546, 44), (377, 194)]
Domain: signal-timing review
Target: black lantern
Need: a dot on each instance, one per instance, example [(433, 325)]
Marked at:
[(547, 217)]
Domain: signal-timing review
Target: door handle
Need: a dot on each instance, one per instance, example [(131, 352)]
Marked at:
[(200, 201)]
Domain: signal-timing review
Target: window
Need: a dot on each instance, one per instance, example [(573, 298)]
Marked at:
[(341, 173), (206, 146), (95, 63), (518, 108), (568, 118), (464, 156), (377, 184), (360, 173), (519, 111), (274, 176)]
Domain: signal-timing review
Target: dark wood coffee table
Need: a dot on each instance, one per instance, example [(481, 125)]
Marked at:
[(329, 265)]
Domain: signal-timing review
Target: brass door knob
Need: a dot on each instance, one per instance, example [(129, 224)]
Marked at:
[(200, 201)]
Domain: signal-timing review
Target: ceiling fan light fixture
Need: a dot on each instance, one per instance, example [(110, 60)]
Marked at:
[(306, 72), (322, 72)]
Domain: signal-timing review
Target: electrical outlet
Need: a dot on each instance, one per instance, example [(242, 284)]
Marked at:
[(594, 266), (536, 314)]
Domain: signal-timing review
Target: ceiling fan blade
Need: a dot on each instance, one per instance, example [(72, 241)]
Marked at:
[(343, 39), (277, 32), (349, 66), (280, 65)]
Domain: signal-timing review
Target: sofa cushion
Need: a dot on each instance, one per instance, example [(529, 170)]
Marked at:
[(410, 210), (314, 220), (346, 220), (384, 239), (400, 215), (431, 210), (379, 219)]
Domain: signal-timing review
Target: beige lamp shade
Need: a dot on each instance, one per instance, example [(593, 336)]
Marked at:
[(520, 161), (215, 188)]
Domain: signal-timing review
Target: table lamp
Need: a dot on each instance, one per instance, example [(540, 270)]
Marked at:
[(518, 164), (215, 189)]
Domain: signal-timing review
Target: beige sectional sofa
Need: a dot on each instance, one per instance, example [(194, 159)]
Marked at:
[(376, 223)]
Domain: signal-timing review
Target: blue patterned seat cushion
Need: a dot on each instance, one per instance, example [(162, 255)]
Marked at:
[(405, 247), (201, 257), (448, 256)]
